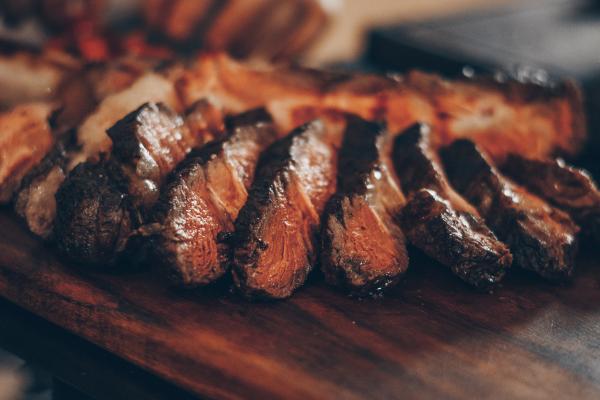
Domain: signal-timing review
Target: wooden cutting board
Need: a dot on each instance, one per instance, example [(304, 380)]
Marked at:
[(432, 337)]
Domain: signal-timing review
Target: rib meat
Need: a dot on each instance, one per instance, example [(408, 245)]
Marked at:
[(201, 202), (441, 223), (275, 232), (566, 187), (147, 145), (541, 237), (531, 120), (363, 247)]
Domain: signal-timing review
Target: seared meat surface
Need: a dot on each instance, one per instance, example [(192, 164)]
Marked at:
[(541, 237), (95, 216), (203, 198), (363, 247), (147, 145), (566, 187), (439, 221), (25, 139), (275, 244)]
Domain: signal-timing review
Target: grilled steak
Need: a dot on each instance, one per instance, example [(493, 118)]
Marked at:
[(563, 186), (25, 140), (201, 202), (275, 232), (363, 247), (438, 221), (541, 237), (147, 145)]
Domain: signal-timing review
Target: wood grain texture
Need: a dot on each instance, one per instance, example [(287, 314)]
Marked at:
[(432, 337)]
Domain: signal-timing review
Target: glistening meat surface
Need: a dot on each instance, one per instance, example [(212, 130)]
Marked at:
[(275, 240), (439, 221), (363, 247)]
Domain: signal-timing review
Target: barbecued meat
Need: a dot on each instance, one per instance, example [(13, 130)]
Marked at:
[(202, 200), (541, 237), (91, 134), (275, 232), (439, 221), (566, 187), (147, 145), (95, 216), (363, 247), (508, 117), (25, 140), (35, 201)]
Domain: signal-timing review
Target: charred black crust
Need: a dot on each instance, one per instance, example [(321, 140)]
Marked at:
[(126, 145), (360, 155), (360, 158), (431, 224), (434, 225), (95, 216), (414, 168), (543, 252)]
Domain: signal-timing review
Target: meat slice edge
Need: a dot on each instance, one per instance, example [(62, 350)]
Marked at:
[(199, 205), (275, 239), (363, 247), (439, 221), (566, 187), (541, 238)]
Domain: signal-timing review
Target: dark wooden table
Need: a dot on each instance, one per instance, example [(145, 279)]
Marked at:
[(432, 337)]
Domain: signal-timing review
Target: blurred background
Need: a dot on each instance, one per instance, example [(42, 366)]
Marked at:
[(532, 40)]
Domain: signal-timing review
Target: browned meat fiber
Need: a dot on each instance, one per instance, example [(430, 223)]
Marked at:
[(275, 239), (438, 221), (147, 145), (541, 237), (566, 187), (201, 202), (363, 247)]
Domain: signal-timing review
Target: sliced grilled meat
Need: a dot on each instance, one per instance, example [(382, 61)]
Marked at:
[(275, 232), (202, 200), (441, 223), (147, 145), (566, 187), (25, 140), (541, 237), (95, 216), (363, 247), (35, 201)]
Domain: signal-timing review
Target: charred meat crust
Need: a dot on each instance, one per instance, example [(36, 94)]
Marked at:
[(363, 248), (200, 203), (95, 217), (440, 222), (149, 142), (275, 232), (566, 187), (541, 237), (94, 228)]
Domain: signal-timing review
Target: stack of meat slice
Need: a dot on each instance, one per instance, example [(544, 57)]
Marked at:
[(265, 172)]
